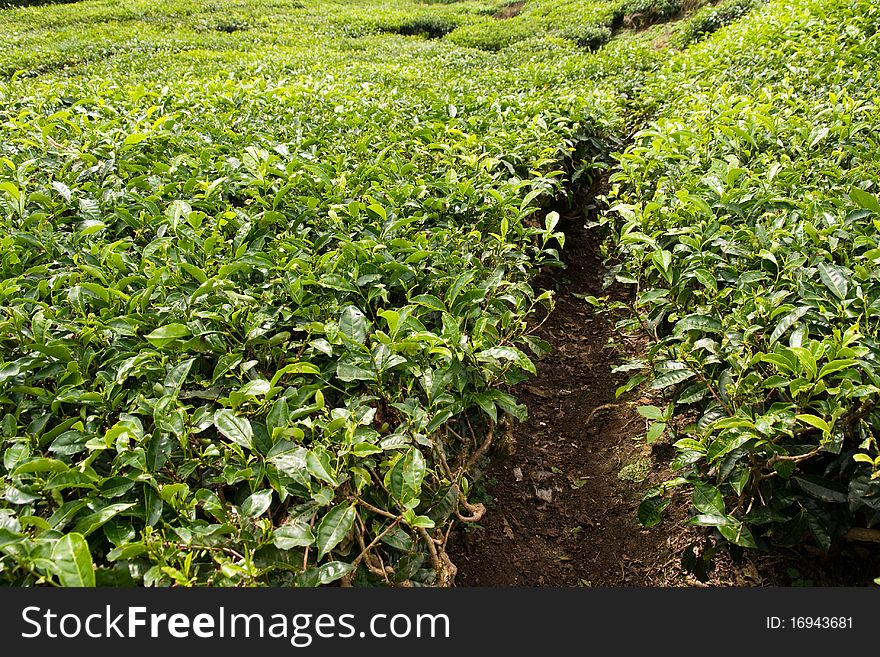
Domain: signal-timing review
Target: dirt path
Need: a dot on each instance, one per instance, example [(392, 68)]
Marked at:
[(560, 515), (510, 11)]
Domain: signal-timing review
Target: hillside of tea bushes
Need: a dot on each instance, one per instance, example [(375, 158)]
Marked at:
[(261, 300), (266, 270), (748, 212)]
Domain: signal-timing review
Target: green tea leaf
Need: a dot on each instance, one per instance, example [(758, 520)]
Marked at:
[(707, 499), (814, 421), (404, 480), (87, 524), (671, 378), (73, 561), (821, 489), (348, 371), (334, 527), (279, 416), (650, 412), (655, 431), (738, 534), (318, 465), (256, 504), (702, 323), (237, 429), (834, 279), (650, 511), (787, 322), (294, 368), (429, 301), (333, 570), (835, 366), (166, 334), (293, 535), (353, 324), (865, 200), (40, 465)]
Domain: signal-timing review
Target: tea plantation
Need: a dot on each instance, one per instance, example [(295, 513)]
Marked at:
[(267, 267)]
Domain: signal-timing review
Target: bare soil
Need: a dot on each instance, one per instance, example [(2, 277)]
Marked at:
[(559, 512), (509, 11)]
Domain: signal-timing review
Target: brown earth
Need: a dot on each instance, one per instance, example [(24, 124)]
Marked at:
[(559, 512), (509, 11)]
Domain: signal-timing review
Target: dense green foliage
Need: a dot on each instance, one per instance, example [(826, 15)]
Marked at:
[(586, 22), (713, 17), (748, 213), (260, 302), (265, 270)]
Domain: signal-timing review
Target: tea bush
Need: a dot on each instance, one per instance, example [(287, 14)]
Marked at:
[(265, 272), (713, 17), (261, 302), (748, 218), (589, 23), (653, 9)]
